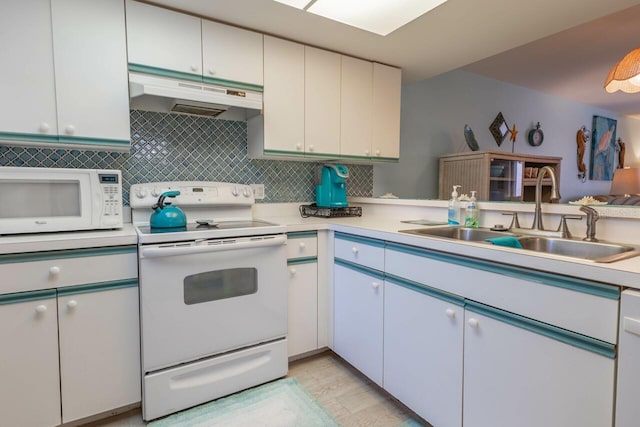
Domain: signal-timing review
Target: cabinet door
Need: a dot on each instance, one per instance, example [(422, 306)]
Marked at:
[(358, 300), (283, 95), (231, 54), (92, 87), (514, 377), (99, 351), (164, 39), (30, 386), (386, 101), (627, 408), (302, 334), (423, 354), (27, 85), (356, 106), (322, 101)]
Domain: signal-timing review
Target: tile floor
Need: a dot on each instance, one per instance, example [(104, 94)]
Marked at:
[(349, 396)]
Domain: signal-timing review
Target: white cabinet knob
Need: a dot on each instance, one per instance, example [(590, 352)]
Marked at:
[(473, 322), (44, 127), (212, 71), (70, 129), (54, 271), (366, 152), (377, 152), (354, 250), (302, 245), (72, 304), (194, 68), (292, 271), (299, 147), (375, 285), (41, 308), (450, 313), (311, 148)]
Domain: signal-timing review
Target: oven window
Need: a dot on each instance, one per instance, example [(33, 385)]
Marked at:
[(40, 199), (220, 284)]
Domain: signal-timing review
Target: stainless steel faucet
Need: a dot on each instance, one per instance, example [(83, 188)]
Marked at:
[(592, 217), (555, 195)]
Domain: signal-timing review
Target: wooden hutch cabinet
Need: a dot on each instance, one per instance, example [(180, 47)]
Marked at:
[(495, 175)]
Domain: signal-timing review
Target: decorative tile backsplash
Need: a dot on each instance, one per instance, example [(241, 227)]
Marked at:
[(173, 147)]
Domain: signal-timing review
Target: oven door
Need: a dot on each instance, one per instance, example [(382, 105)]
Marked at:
[(207, 297)]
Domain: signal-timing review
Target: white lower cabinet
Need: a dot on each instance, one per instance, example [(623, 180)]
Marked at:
[(302, 333), (358, 304), (423, 338), (99, 351), (30, 385), (517, 376), (627, 408)]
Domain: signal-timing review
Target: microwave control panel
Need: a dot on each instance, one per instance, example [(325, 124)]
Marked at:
[(111, 197)]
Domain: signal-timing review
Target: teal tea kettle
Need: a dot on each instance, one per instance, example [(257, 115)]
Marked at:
[(166, 216)]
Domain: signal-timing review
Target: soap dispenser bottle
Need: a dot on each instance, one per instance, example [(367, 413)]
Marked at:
[(454, 208), (471, 213)]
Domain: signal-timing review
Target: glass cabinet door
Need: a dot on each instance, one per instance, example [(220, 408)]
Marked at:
[(505, 180)]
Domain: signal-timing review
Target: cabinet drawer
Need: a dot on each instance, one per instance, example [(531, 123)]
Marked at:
[(360, 250), (56, 269), (302, 245)]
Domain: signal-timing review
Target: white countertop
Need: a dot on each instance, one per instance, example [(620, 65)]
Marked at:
[(38, 242), (384, 227)]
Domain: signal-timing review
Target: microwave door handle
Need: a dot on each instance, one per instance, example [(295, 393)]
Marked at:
[(157, 252)]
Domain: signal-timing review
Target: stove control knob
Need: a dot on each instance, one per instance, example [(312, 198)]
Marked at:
[(155, 192), (246, 192), (234, 192), (141, 193)]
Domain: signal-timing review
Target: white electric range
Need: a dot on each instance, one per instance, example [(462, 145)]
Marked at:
[(213, 296)]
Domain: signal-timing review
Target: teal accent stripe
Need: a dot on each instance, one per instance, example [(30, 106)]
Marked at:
[(301, 234), (163, 72), (67, 253), (426, 290), (347, 156), (307, 260), (551, 279), (98, 287), (232, 84), (360, 268), (31, 137), (283, 153), (94, 141), (386, 159), (577, 340), (323, 155), (27, 296), (359, 239)]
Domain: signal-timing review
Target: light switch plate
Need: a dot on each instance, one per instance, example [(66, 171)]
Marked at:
[(258, 191)]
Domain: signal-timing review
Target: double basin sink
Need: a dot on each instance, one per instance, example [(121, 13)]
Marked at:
[(590, 251)]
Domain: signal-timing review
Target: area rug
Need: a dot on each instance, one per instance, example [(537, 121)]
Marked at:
[(282, 403)]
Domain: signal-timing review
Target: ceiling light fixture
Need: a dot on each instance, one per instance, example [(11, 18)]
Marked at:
[(625, 75), (380, 16)]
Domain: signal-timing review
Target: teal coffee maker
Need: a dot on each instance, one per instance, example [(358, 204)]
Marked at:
[(331, 191)]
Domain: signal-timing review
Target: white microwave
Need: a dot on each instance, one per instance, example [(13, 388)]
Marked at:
[(37, 200)]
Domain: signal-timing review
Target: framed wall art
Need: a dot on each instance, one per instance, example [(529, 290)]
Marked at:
[(603, 149)]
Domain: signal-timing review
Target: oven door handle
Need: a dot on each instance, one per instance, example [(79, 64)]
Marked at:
[(157, 252)]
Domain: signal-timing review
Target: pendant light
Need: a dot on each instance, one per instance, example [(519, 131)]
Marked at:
[(625, 75)]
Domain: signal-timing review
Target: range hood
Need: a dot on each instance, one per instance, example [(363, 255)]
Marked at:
[(168, 95)]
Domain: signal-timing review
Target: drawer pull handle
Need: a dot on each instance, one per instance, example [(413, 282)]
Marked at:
[(41, 308), (450, 313), (354, 250), (375, 285), (292, 271), (473, 323), (302, 245), (72, 304), (54, 271)]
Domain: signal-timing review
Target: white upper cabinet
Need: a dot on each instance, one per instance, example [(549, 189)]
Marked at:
[(90, 51), (322, 101), (26, 77), (356, 107), (231, 54), (386, 106), (283, 96), (164, 39)]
